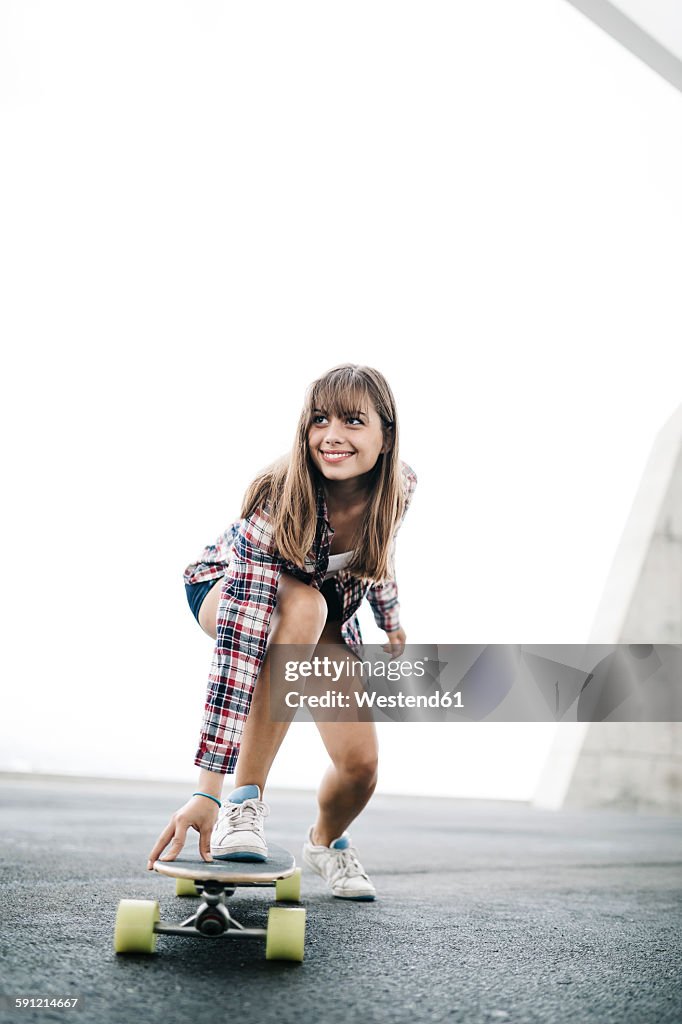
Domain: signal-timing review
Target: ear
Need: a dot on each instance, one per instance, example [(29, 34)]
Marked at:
[(388, 440)]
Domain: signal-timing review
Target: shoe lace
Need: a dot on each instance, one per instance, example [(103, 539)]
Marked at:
[(246, 816), (346, 865)]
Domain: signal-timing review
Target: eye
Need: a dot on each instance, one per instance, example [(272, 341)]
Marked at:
[(348, 418)]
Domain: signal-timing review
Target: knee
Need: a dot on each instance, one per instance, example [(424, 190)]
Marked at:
[(302, 606), (362, 771)]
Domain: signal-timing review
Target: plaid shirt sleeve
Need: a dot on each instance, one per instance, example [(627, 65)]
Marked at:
[(247, 600), (213, 560), (383, 597)]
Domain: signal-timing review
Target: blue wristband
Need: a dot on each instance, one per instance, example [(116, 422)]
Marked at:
[(209, 797)]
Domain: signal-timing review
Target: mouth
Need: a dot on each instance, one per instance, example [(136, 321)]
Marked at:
[(335, 456)]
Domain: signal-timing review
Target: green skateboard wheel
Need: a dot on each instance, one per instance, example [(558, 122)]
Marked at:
[(185, 887), (134, 928), (289, 889), (285, 934)]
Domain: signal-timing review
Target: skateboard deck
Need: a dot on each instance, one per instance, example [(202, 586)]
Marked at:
[(280, 864), (138, 925)]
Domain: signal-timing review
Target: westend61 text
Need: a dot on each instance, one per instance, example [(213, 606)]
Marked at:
[(334, 670), (339, 699)]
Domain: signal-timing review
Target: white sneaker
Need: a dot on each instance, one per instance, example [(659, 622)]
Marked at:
[(238, 832), (339, 866)]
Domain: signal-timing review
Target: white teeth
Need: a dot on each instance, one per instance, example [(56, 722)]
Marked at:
[(335, 458)]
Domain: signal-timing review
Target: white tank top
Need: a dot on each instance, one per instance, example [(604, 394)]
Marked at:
[(337, 562)]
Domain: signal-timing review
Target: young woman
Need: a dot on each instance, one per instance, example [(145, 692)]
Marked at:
[(316, 535)]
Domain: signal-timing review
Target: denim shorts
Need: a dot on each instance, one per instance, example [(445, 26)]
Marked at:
[(334, 610), (196, 592)]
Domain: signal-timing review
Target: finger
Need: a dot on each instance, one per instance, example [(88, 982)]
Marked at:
[(161, 844), (177, 844), (205, 845)]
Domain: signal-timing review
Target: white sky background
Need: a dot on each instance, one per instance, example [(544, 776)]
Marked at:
[(203, 207)]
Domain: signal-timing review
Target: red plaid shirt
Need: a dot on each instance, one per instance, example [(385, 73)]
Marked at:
[(246, 557)]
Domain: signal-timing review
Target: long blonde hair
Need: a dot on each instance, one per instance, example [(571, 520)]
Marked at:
[(289, 484)]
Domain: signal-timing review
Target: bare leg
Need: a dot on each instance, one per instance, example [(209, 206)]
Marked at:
[(349, 782), (209, 610), (299, 619), (351, 779)]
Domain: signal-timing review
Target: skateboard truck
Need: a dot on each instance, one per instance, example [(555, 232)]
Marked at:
[(212, 918)]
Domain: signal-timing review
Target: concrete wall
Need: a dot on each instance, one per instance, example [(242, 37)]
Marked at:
[(655, 610), (638, 765), (629, 766)]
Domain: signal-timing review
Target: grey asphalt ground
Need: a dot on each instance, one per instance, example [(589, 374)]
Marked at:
[(488, 912)]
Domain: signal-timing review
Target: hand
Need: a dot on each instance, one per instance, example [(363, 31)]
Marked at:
[(396, 642), (198, 813)]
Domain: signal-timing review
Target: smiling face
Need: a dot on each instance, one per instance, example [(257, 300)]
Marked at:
[(346, 444)]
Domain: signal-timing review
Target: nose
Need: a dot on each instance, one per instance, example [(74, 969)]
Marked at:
[(333, 432)]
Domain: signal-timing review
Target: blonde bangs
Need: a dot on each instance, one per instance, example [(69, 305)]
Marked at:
[(337, 396)]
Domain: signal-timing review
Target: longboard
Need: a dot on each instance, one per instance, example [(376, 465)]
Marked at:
[(280, 864), (137, 921)]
